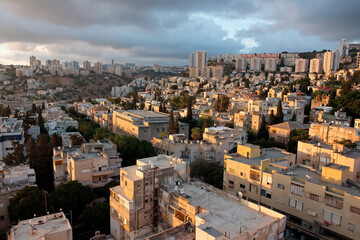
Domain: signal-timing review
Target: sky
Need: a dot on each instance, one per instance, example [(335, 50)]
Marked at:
[(165, 31)]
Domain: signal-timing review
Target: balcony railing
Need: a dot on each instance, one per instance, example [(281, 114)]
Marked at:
[(333, 202)]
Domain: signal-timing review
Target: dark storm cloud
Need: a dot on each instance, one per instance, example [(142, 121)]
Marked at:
[(166, 31)]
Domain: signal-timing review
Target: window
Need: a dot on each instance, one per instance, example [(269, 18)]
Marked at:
[(231, 170), (333, 201), (242, 186), (231, 184), (351, 227), (332, 217), (297, 189), (241, 174), (281, 186), (355, 210), (296, 204), (314, 197)]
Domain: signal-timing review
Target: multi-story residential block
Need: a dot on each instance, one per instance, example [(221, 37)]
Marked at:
[(289, 58), (301, 65), (323, 115), (178, 146), (11, 130), (155, 192), (94, 164), (216, 72), (320, 203), (242, 120), (316, 65), (270, 64), (52, 226), (331, 61), (143, 124), (316, 154), (192, 60), (343, 48), (98, 68), (331, 133), (241, 64), (358, 60), (87, 65), (281, 132), (255, 64)]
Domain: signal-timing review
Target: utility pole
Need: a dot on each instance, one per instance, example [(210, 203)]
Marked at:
[(45, 192)]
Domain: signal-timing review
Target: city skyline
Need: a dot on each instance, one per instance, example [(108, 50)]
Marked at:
[(165, 33)]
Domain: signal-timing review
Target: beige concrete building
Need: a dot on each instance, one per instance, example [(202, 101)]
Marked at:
[(177, 146), (316, 65), (242, 120), (154, 198), (143, 124), (281, 132), (330, 133), (94, 164), (50, 227), (322, 203), (317, 154)]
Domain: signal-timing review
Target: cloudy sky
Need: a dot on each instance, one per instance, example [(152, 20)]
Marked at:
[(166, 31)]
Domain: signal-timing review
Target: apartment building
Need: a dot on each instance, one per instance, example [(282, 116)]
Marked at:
[(94, 164), (50, 227), (270, 64), (301, 65), (316, 65), (242, 120), (255, 64), (223, 140), (143, 124), (281, 132), (241, 64), (331, 133), (11, 130), (178, 146), (320, 203), (317, 154), (154, 199), (331, 61)]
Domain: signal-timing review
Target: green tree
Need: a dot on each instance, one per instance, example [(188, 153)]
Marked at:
[(189, 110), (272, 118), (279, 113), (71, 129), (177, 129), (196, 134), (263, 132), (26, 202), (171, 123), (16, 113), (96, 217), (211, 173), (17, 157), (142, 106), (293, 118), (33, 108), (222, 103), (76, 140), (71, 195), (296, 136), (55, 141)]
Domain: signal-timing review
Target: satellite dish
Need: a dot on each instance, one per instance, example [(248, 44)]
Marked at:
[(240, 194)]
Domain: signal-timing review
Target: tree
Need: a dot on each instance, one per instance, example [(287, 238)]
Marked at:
[(96, 217), (293, 118), (222, 103), (211, 173), (43, 106), (161, 108), (16, 114), (41, 121), (71, 129), (171, 123), (296, 136), (142, 106), (71, 195), (189, 110), (174, 87), (42, 164), (55, 141), (79, 99), (150, 108), (279, 113), (26, 202), (177, 129), (196, 134), (17, 157), (7, 111), (263, 132), (135, 96), (33, 108), (272, 118), (76, 140)]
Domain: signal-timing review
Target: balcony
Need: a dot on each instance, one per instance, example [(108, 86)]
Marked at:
[(104, 171), (333, 202)]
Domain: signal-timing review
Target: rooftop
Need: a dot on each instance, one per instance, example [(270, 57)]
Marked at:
[(290, 125), (225, 213), (310, 175), (38, 228)]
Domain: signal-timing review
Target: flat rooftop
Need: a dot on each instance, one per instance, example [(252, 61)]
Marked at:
[(226, 214), (270, 153), (39, 227), (310, 175), (147, 114)]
